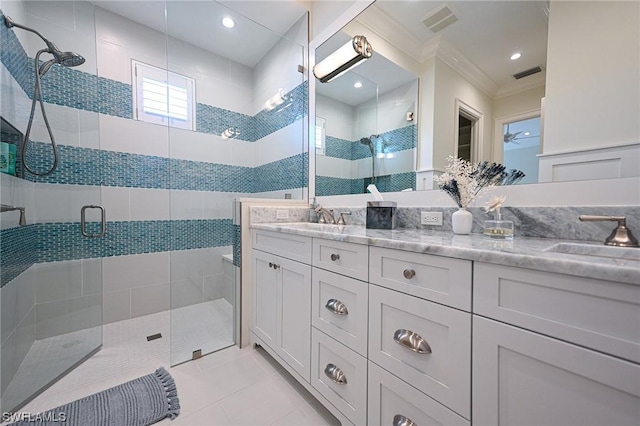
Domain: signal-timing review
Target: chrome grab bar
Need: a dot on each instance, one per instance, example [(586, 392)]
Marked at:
[(335, 374), (412, 341), (337, 307), (8, 208), (83, 222)]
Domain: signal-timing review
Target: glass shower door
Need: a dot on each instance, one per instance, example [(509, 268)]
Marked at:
[(246, 139), (50, 267)]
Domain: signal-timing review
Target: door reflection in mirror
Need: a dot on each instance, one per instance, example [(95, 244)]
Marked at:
[(522, 146)]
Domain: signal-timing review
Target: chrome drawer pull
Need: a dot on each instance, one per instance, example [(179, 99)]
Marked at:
[(411, 340), (337, 307), (335, 374), (273, 265), (409, 273), (400, 420), (335, 257)]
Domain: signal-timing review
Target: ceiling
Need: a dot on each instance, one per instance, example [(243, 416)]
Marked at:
[(199, 23), (482, 39)]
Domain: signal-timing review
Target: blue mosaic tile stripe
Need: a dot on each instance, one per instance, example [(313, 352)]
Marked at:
[(237, 243), (293, 109), (288, 173), (326, 185), (199, 176), (214, 120), (400, 139), (23, 246), (360, 151), (339, 148), (18, 251), (114, 98), (85, 166)]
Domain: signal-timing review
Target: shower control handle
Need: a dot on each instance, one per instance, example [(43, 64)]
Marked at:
[(83, 221)]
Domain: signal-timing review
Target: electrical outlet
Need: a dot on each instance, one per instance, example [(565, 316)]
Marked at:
[(431, 218), (282, 214)]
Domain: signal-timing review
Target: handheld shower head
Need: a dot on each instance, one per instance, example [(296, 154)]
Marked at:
[(66, 59)]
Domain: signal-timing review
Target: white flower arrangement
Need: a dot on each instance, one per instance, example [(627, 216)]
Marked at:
[(463, 180)]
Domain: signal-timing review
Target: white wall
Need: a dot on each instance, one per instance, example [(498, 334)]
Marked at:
[(449, 86), (593, 79)]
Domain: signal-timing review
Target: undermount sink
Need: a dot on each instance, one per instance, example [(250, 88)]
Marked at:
[(627, 253)]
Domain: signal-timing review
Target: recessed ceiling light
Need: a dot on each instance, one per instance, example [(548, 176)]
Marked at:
[(515, 56), (357, 85), (228, 22), (527, 133)]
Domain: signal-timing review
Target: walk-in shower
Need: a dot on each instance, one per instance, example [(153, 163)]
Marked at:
[(66, 59)]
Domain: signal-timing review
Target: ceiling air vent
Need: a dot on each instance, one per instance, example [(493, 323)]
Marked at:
[(527, 73), (439, 19)]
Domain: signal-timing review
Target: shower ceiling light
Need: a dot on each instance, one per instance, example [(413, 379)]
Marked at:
[(228, 22), (357, 85), (515, 56), (343, 59)]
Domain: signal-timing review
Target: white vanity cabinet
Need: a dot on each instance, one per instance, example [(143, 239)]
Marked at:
[(548, 349), (383, 336), (282, 297)]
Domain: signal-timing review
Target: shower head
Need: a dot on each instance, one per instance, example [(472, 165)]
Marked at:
[(367, 142), (66, 59)]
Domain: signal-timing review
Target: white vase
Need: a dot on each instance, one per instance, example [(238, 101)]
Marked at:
[(462, 221)]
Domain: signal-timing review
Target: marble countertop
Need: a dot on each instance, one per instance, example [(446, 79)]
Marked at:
[(594, 260)]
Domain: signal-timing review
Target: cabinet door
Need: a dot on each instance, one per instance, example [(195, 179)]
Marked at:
[(523, 378), (264, 284), (294, 315)]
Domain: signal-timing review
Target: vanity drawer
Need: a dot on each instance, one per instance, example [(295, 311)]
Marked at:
[(339, 307), (343, 258), (597, 314), (391, 400), (332, 362), (440, 279), (444, 373), (294, 247)]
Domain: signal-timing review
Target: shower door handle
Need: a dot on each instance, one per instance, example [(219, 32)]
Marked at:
[(83, 222)]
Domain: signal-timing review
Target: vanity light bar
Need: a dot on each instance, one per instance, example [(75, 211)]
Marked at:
[(343, 59)]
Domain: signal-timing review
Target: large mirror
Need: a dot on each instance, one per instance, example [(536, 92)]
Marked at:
[(486, 69), (366, 125)]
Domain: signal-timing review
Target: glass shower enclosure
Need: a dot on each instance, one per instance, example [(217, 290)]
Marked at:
[(247, 140), (51, 238)]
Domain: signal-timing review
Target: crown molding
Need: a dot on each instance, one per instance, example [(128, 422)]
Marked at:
[(394, 33)]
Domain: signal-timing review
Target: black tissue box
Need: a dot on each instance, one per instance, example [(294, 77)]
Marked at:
[(381, 214)]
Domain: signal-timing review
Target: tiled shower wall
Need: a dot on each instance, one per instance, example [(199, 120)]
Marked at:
[(167, 192), (346, 166)]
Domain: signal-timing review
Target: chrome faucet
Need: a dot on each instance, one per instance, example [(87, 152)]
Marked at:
[(621, 236), (326, 216), (8, 208)]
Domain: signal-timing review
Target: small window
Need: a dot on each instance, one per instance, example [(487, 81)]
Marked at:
[(320, 135), (163, 97)]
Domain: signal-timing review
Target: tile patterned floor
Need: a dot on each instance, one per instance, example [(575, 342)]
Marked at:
[(229, 387)]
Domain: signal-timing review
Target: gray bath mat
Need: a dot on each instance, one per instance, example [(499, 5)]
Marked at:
[(140, 402)]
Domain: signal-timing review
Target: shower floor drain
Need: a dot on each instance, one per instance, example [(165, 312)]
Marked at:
[(154, 337)]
